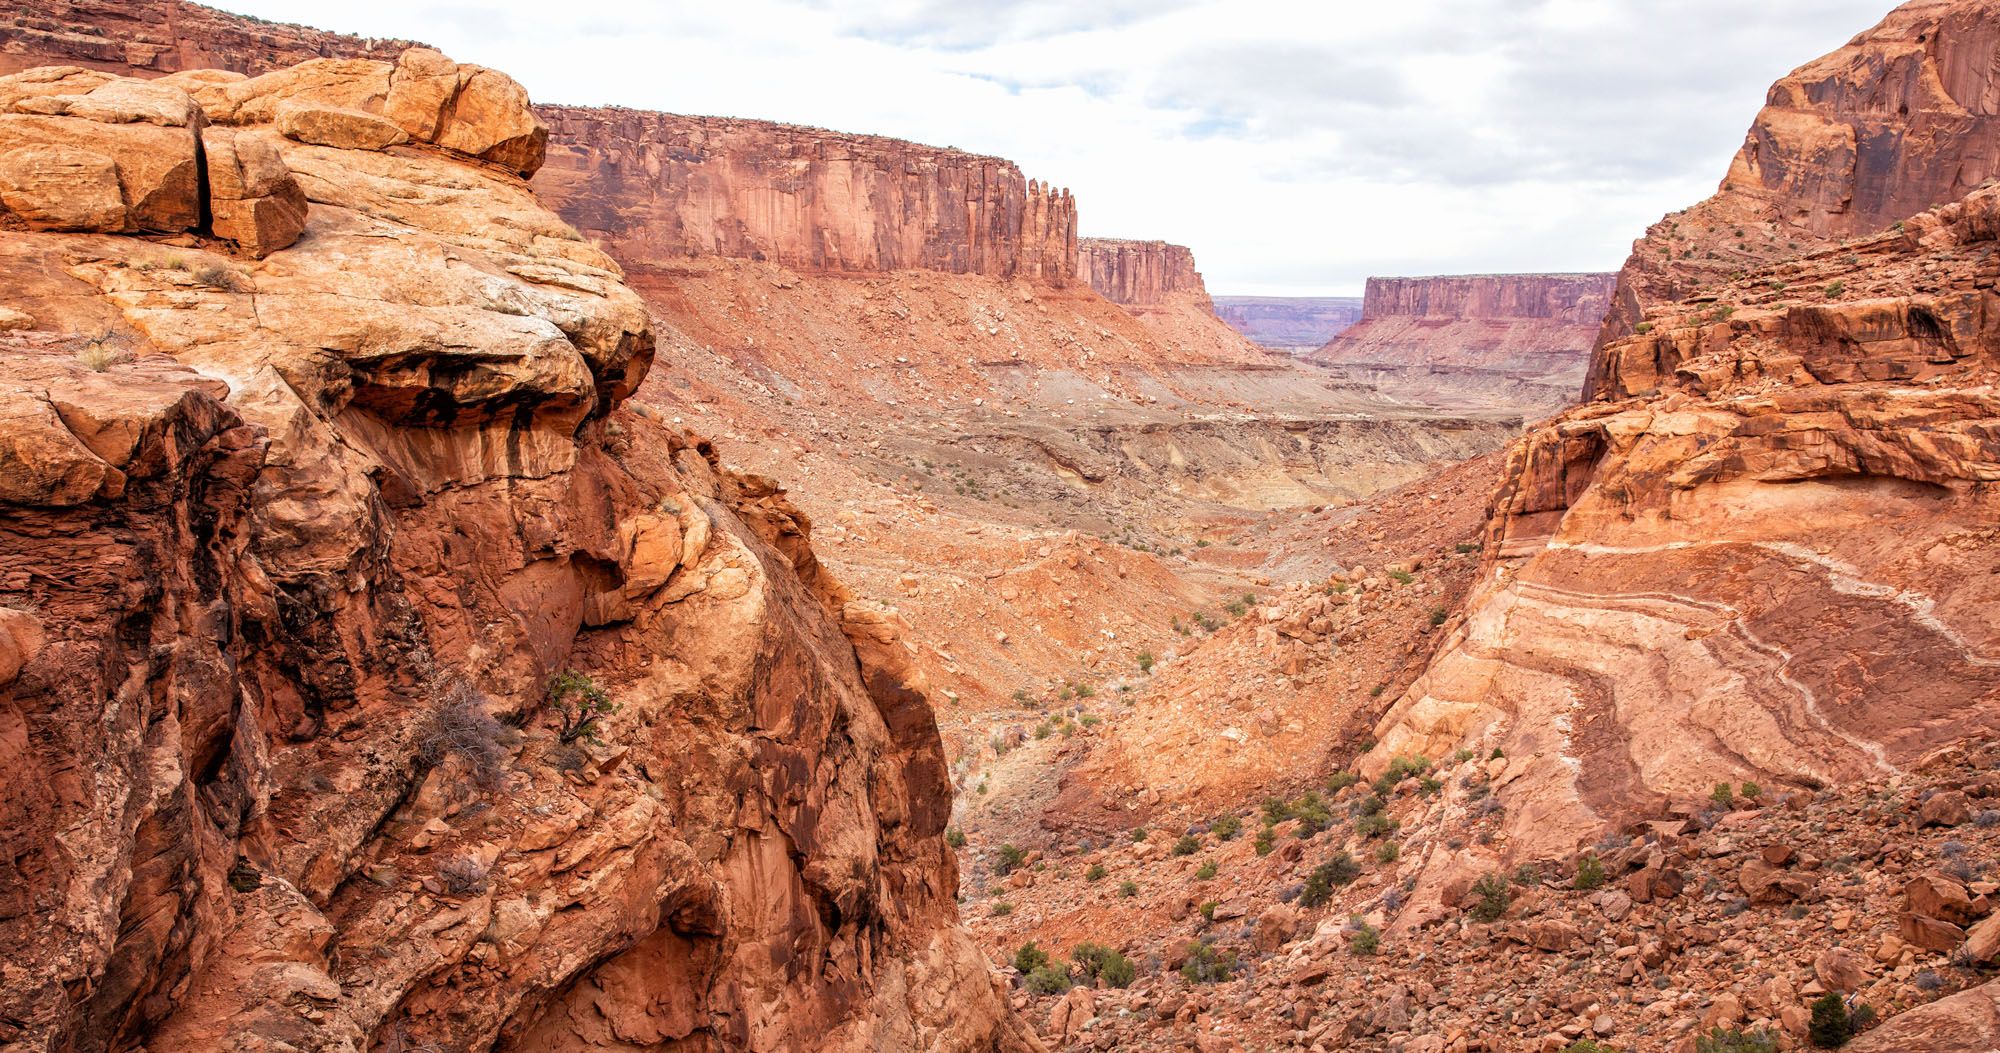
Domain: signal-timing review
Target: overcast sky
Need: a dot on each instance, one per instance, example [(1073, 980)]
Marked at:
[(1298, 147)]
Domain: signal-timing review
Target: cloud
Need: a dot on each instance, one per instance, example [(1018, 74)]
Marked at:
[(1297, 145)]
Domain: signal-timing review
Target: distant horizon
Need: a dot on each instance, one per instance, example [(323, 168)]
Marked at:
[(1295, 153)]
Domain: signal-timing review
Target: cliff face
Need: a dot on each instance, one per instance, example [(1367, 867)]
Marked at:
[(1140, 274), (1765, 552), (151, 37), (657, 187), (1289, 322), (1904, 118), (292, 552), (1520, 339)]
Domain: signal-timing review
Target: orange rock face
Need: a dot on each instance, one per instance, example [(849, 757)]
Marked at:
[(657, 187), (291, 549), (1140, 274), (1902, 119)]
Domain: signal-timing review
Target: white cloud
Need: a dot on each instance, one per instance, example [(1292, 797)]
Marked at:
[(1298, 147)]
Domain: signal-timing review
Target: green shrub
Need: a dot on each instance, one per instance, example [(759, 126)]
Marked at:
[(1466, 548), (1276, 810), (1010, 859), (1428, 786), (1834, 289), (1145, 661), (1375, 824), (1264, 842), (1138, 834), (1226, 828), (1207, 909), (1335, 872), (1722, 796), (1188, 845), (1830, 1027), (1002, 909), (1589, 872), (1438, 616), (1496, 754), (1205, 871), (1030, 957), (955, 837), (1364, 938), (1313, 816), (1403, 577), (1389, 852), (1587, 1045), (1098, 962), (1527, 875), (580, 706), (1050, 979), (1733, 1041), (1751, 791), (1095, 873), (1494, 896), (1206, 965), (1341, 780), (1128, 889)]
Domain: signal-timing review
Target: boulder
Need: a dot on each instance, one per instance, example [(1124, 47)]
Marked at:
[(1841, 969), (337, 126), (1967, 1022), (1940, 897), (253, 201), (86, 151), (1766, 884), (1931, 934), (1949, 808)]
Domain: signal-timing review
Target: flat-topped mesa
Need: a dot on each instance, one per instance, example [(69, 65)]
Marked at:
[(1564, 298), (1903, 118), (1293, 323), (655, 187), (1533, 324), (1140, 274)]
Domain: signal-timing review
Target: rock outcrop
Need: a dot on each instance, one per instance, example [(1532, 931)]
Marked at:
[(1289, 323), (1140, 274), (1902, 119), (372, 674), (1521, 338), (153, 37), (656, 187), (1765, 551)]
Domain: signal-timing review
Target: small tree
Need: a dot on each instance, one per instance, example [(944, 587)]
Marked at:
[(1830, 1028), (1011, 858), (580, 706), (1589, 872), (1098, 962), (1030, 957), (1494, 897)]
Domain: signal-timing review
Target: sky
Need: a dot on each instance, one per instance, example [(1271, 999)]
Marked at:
[(1297, 147)]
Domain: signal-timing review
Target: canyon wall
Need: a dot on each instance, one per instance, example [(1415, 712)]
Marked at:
[(1518, 339), (1905, 117), (657, 187), (1140, 274), (374, 674), (1765, 551), (153, 37), (1289, 323)]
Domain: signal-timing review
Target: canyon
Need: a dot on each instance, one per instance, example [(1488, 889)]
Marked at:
[(487, 574), (1292, 324), (1513, 339)]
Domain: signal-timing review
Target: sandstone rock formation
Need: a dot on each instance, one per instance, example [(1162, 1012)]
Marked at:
[(1289, 323), (1902, 119), (656, 187), (1523, 338), (151, 37), (291, 551), (1765, 553), (1140, 274)]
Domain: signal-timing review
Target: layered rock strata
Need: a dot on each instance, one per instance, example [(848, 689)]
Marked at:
[(1289, 323), (294, 552), (1140, 274)]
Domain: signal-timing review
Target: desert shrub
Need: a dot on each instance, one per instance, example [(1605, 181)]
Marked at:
[(1313, 816), (98, 355), (1362, 938), (1830, 1027), (1265, 842), (1438, 616), (580, 706), (1341, 780), (1030, 957), (217, 276), (1750, 791), (1589, 872), (463, 876), (955, 837), (1834, 289), (1400, 768), (1002, 909), (1326, 877), (1588, 1045), (1389, 852), (1205, 871), (1428, 786), (1145, 661), (1188, 845), (1098, 962), (1042, 730), (1734, 1041), (1493, 895), (1011, 858), (459, 726), (1206, 965), (1207, 909), (1226, 827), (1095, 873), (1375, 824), (1276, 810), (1127, 889), (1138, 834), (1496, 754), (1050, 979), (1403, 577), (1527, 875), (1722, 796)]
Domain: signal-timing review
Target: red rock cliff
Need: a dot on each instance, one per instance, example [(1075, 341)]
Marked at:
[(314, 558), (654, 187), (657, 187), (1530, 333), (1905, 117), (1140, 273)]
